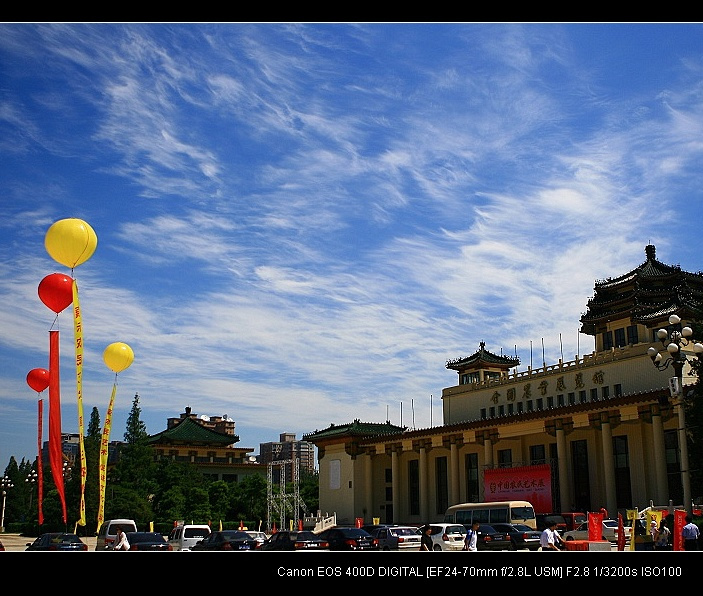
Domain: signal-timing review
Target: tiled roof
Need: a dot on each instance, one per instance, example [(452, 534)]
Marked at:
[(190, 431), (483, 356), (356, 428), (648, 295)]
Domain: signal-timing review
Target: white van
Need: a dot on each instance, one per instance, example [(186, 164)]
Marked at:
[(184, 536), (108, 532)]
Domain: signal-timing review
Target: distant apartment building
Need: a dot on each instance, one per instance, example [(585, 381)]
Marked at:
[(287, 450)]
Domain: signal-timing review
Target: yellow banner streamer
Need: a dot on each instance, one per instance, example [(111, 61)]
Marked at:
[(78, 336), (104, 443)]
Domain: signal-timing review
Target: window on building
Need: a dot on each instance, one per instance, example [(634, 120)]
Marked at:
[(594, 394), (519, 407), (620, 338), (441, 484), (632, 335), (493, 411), (550, 401), (617, 389), (540, 403), (560, 400), (621, 459), (468, 378), (605, 391), (538, 455), (501, 410), (389, 475), (582, 397), (607, 340), (511, 409), (529, 405), (572, 399), (389, 494), (414, 487), (483, 413), (505, 458), (472, 477)]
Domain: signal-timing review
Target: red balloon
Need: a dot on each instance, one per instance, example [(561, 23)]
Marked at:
[(56, 291), (38, 379)]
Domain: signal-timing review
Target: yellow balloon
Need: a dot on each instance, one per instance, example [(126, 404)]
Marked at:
[(70, 241), (118, 356)]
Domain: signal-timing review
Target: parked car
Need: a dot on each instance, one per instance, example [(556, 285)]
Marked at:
[(404, 538), (447, 536), (341, 538), (148, 541), (57, 541), (226, 540), (609, 531), (522, 537), (491, 539), (260, 537), (295, 540), (108, 532), (184, 536)]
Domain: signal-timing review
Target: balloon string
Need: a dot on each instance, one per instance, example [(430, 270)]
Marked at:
[(56, 319)]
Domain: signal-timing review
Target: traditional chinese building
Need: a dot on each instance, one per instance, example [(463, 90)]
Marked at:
[(604, 424)]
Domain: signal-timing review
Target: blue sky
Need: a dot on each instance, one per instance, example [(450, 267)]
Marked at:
[(300, 224)]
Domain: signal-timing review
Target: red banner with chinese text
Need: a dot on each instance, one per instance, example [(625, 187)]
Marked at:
[(595, 526), (525, 483)]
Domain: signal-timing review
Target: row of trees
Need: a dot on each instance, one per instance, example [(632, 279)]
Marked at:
[(140, 488)]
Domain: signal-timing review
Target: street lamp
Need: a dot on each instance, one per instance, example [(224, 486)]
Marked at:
[(6, 484), (31, 479), (674, 342)]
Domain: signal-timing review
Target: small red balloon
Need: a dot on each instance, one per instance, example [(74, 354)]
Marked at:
[(56, 291), (38, 379)]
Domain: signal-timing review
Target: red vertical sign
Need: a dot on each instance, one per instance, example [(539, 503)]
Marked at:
[(55, 450)]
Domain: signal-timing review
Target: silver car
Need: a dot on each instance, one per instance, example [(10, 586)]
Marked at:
[(403, 538)]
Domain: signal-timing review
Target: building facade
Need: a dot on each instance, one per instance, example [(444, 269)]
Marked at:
[(604, 425), (288, 450), (195, 440)]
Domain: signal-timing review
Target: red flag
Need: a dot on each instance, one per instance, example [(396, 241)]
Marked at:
[(55, 450), (40, 467), (621, 533)]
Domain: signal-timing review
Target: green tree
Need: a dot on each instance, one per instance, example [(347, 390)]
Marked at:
[(133, 474), (249, 499)]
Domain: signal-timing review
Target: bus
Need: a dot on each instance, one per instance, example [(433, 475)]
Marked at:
[(511, 512)]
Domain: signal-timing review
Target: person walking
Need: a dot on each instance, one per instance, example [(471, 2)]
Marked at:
[(661, 537), (690, 534), (426, 540), (549, 539), (471, 540), (121, 542)]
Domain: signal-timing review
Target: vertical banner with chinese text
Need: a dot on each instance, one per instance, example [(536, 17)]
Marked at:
[(78, 336)]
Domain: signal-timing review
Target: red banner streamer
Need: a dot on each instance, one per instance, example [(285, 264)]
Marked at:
[(55, 450), (40, 467)]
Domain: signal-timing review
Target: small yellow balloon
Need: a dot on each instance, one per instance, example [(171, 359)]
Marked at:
[(70, 241), (118, 356)]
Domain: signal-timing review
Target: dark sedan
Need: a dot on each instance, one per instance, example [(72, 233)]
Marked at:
[(522, 537), (349, 539), (57, 541), (295, 540), (227, 540), (491, 539), (148, 541)]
